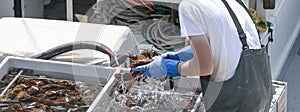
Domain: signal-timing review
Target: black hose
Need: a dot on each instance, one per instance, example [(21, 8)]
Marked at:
[(76, 46)]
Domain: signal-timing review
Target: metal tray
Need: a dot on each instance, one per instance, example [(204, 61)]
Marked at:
[(60, 70)]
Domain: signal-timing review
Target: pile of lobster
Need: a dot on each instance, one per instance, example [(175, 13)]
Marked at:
[(41, 94)]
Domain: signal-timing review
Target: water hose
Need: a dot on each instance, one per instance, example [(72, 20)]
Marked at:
[(161, 34), (129, 13), (159, 27), (76, 46)]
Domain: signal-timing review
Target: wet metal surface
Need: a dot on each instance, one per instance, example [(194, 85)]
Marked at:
[(290, 74)]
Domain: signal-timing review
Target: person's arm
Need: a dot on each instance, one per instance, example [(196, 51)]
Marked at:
[(183, 54), (202, 63)]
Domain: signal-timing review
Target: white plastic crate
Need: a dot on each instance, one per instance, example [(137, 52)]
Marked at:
[(60, 70), (279, 100)]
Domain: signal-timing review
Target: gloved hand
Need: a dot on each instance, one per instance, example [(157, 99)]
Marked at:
[(184, 54), (159, 68), (169, 67)]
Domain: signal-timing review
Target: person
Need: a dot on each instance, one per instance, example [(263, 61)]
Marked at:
[(225, 52)]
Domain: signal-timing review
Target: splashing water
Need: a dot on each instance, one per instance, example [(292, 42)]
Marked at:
[(149, 96)]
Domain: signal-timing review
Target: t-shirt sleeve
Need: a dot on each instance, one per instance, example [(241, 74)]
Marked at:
[(191, 21)]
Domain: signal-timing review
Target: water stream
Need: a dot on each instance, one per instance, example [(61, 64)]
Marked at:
[(148, 96)]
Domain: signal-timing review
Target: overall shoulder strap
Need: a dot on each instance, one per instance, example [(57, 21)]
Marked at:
[(246, 8), (238, 26), (248, 11)]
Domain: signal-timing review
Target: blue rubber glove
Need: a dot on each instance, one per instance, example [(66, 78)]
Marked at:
[(169, 67), (152, 69), (184, 54), (159, 68)]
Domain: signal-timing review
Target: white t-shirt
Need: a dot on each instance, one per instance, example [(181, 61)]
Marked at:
[(211, 18)]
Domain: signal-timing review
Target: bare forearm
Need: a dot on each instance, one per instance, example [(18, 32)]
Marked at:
[(189, 68), (201, 64)]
